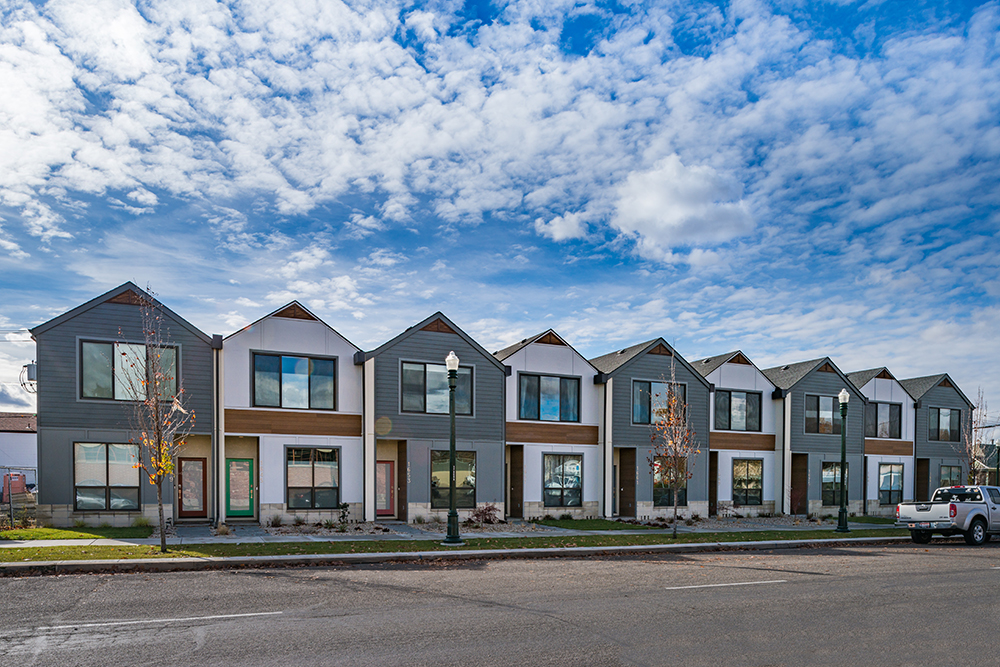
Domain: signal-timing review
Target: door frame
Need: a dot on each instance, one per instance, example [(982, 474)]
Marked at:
[(240, 513), (181, 512), (391, 485)]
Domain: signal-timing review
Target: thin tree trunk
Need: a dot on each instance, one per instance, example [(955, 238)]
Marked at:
[(163, 526), (675, 511)]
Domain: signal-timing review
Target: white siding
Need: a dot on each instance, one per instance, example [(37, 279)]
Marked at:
[(592, 477), (746, 378), (889, 391), (554, 360), (725, 479), (272, 464), (873, 477)]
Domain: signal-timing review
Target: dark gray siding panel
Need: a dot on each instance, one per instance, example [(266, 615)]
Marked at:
[(624, 433), (826, 384), (489, 460), (938, 397), (487, 420), (855, 475)]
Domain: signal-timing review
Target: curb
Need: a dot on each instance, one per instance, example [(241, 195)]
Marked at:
[(219, 563)]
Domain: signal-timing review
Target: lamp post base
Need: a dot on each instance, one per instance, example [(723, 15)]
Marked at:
[(453, 537), (842, 522)]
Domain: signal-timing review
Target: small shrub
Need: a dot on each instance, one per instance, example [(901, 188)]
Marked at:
[(696, 517), (104, 524), (222, 529), (80, 523), (299, 520), (689, 522), (274, 521), (345, 512), (342, 529), (566, 517), (548, 517), (141, 522), (485, 514), (418, 519), (329, 524)]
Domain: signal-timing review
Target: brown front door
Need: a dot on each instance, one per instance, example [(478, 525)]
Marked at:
[(800, 483), (922, 481), (401, 479), (191, 488), (713, 483), (626, 476), (515, 507)]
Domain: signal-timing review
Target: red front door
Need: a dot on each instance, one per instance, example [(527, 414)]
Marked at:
[(191, 487), (385, 483)]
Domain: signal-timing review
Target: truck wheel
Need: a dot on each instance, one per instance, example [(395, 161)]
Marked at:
[(920, 536), (977, 535)]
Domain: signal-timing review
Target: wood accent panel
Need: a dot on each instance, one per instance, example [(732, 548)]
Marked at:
[(739, 359), (550, 339), (626, 480), (292, 423), (945, 383), (560, 434), (439, 326), (888, 447), (662, 350), (128, 297), (884, 375), (754, 442), (826, 368), (294, 312)]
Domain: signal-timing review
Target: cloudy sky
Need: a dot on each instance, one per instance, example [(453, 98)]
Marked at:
[(794, 179)]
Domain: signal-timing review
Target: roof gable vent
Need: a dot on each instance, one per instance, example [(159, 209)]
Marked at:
[(439, 326)]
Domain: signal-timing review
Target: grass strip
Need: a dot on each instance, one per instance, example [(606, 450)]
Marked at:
[(592, 524), (107, 533), (27, 554)]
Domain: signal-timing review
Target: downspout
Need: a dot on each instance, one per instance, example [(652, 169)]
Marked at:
[(217, 372)]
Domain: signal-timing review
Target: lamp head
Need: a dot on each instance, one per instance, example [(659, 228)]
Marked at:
[(844, 396), (451, 361)]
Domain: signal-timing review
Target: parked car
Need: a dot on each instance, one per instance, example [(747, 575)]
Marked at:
[(970, 511)]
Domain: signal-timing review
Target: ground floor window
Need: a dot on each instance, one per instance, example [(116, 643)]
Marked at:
[(663, 493), (951, 476), (312, 477), (832, 482), (105, 477), (465, 480), (563, 482), (890, 483), (748, 482)]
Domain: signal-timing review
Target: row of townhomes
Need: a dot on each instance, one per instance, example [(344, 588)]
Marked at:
[(293, 419)]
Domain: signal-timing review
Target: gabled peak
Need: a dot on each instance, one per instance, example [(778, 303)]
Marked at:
[(128, 298), (826, 368), (740, 359), (439, 326), (294, 311), (885, 375), (946, 383), (662, 350), (550, 339)]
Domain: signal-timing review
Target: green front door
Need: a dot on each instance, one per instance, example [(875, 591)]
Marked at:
[(239, 487)]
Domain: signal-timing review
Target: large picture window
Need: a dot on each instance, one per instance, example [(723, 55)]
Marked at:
[(465, 480), (563, 480), (832, 481), (313, 478), (283, 381), (822, 414), (951, 476), (944, 424), (425, 389), (650, 400), (105, 477), (549, 398), (663, 494), (883, 420), (737, 410), (748, 482), (890, 483), (117, 371)]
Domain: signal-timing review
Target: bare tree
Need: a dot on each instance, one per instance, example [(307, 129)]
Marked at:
[(971, 448), (673, 438), (159, 421)]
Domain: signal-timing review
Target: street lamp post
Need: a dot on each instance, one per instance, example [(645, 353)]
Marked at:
[(844, 396), (451, 361)]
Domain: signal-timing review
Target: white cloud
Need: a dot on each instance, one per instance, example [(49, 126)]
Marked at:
[(562, 227)]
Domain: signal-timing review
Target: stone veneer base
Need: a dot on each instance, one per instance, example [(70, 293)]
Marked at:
[(537, 510)]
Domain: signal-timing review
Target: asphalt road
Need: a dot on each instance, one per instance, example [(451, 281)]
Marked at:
[(897, 605)]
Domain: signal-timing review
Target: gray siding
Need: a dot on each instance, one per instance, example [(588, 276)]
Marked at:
[(937, 397), (489, 459), (64, 417), (656, 367)]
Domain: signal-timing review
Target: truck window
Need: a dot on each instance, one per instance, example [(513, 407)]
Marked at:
[(994, 495), (958, 494)]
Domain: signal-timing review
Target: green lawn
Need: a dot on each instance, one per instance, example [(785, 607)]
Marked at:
[(12, 555), (592, 524), (76, 533), (870, 519)]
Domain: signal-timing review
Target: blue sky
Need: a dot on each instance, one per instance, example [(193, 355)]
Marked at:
[(793, 179)]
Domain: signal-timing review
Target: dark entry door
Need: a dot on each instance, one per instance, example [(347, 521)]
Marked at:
[(515, 509), (191, 487), (922, 480), (800, 483), (713, 483), (626, 463)]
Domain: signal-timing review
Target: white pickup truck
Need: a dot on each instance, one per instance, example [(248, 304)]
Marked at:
[(970, 511)]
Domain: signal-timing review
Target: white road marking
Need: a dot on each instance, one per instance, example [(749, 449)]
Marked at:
[(742, 583), (158, 620)]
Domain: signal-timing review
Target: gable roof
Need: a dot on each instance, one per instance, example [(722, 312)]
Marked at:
[(787, 376), (861, 378), (295, 311), (615, 361), (125, 293), (548, 337), (18, 422), (917, 387), (707, 365), (436, 322)]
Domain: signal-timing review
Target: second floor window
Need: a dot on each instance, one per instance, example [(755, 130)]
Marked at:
[(293, 382), (737, 410), (822, 414), (425, 389), (944, 424), (117, 371), (549, 398), (883, 420), (650, 400)]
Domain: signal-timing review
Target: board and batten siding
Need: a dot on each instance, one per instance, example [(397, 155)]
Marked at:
[(656, 367)]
